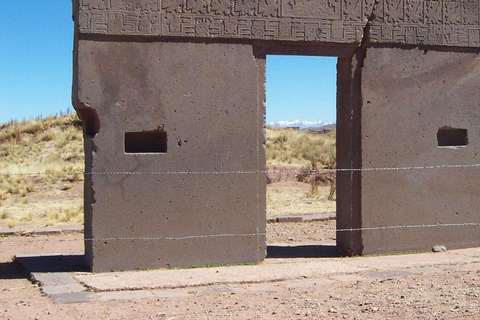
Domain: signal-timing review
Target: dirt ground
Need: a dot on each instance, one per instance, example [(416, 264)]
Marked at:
[(452, 293)]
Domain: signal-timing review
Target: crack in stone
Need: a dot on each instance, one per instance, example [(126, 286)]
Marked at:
[(366, 29)]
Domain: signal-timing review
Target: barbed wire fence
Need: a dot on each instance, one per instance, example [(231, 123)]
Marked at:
[(240, 172)]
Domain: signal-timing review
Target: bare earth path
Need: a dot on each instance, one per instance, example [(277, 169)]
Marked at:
[(447, 291)]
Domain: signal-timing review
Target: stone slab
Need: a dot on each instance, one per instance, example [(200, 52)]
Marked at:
[(75, 297), (309, 269), (9, 231), (172, 293), (178, 211), (214, 290), (348, 277), (417, 209), (342, 22), (272, 220), (52, 279), (41, 231), (62, 289), (289, 219), (181, 278), (325, 216), (124, 295), (75, 229), (389, 274), (442, 22)]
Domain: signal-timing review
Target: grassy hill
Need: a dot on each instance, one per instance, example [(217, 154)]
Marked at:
[(47, 160), (53, 145)]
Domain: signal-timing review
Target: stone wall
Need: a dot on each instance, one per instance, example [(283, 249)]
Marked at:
[(208, 99), (172, 94)]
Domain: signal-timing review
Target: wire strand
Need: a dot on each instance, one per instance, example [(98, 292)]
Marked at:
[(326, 170)]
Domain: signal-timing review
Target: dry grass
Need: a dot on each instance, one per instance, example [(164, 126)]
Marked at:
[(298, 201), (303, 149), (36, 151)]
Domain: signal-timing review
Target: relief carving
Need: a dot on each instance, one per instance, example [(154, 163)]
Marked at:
[(430, 22), (326, 9)]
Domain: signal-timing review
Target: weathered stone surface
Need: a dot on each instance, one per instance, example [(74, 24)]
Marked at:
[(124, 295), (52, 279), (62, 289), (9, 232), (41, 231), (187, 212), (339, 21), (407, 95), (439, 249), (75, 297), (172, 293), (290, 219), (418, 22)]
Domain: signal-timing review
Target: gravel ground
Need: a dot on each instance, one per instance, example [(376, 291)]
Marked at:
[(451, 293)]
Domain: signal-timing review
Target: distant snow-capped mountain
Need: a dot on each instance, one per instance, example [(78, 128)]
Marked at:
[(302, 124)]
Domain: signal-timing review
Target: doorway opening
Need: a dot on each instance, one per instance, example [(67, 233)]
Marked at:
[(301, 155)]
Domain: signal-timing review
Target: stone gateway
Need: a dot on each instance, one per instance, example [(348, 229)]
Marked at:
[(172, 95)]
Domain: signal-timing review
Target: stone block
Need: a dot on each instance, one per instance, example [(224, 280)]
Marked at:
[(75, 297), (200, 200), (289, 219), (52, 279), (124, 295), (62, 289)]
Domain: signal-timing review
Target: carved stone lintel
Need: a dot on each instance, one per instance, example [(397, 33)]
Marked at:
[(417, 22)]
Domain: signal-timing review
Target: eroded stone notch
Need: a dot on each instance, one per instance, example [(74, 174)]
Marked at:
[(452, 137), (146, 142)]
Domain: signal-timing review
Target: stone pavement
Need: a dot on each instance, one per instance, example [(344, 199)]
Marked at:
[(64, 280)]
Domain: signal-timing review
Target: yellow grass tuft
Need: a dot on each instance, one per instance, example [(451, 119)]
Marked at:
[(11, 224), (294, 147)]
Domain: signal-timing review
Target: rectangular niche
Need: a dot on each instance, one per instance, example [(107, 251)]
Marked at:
[(452, 137), (146, 142)]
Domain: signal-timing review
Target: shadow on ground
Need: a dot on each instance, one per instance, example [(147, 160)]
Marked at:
[(304, 251), (11, 270), (53, 263)]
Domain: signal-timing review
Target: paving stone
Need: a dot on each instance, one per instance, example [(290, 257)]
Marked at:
[(68, 288), (389, 274), (75, 297), (215, 290), (78, 229), (324, 216), (52, 279), (172, 293), (290, 219), (41, 231), (348, 278), (124, 295), (423, 270), (9, 232)]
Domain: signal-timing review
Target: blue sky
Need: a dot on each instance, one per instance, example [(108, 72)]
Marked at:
[(36, 41)]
